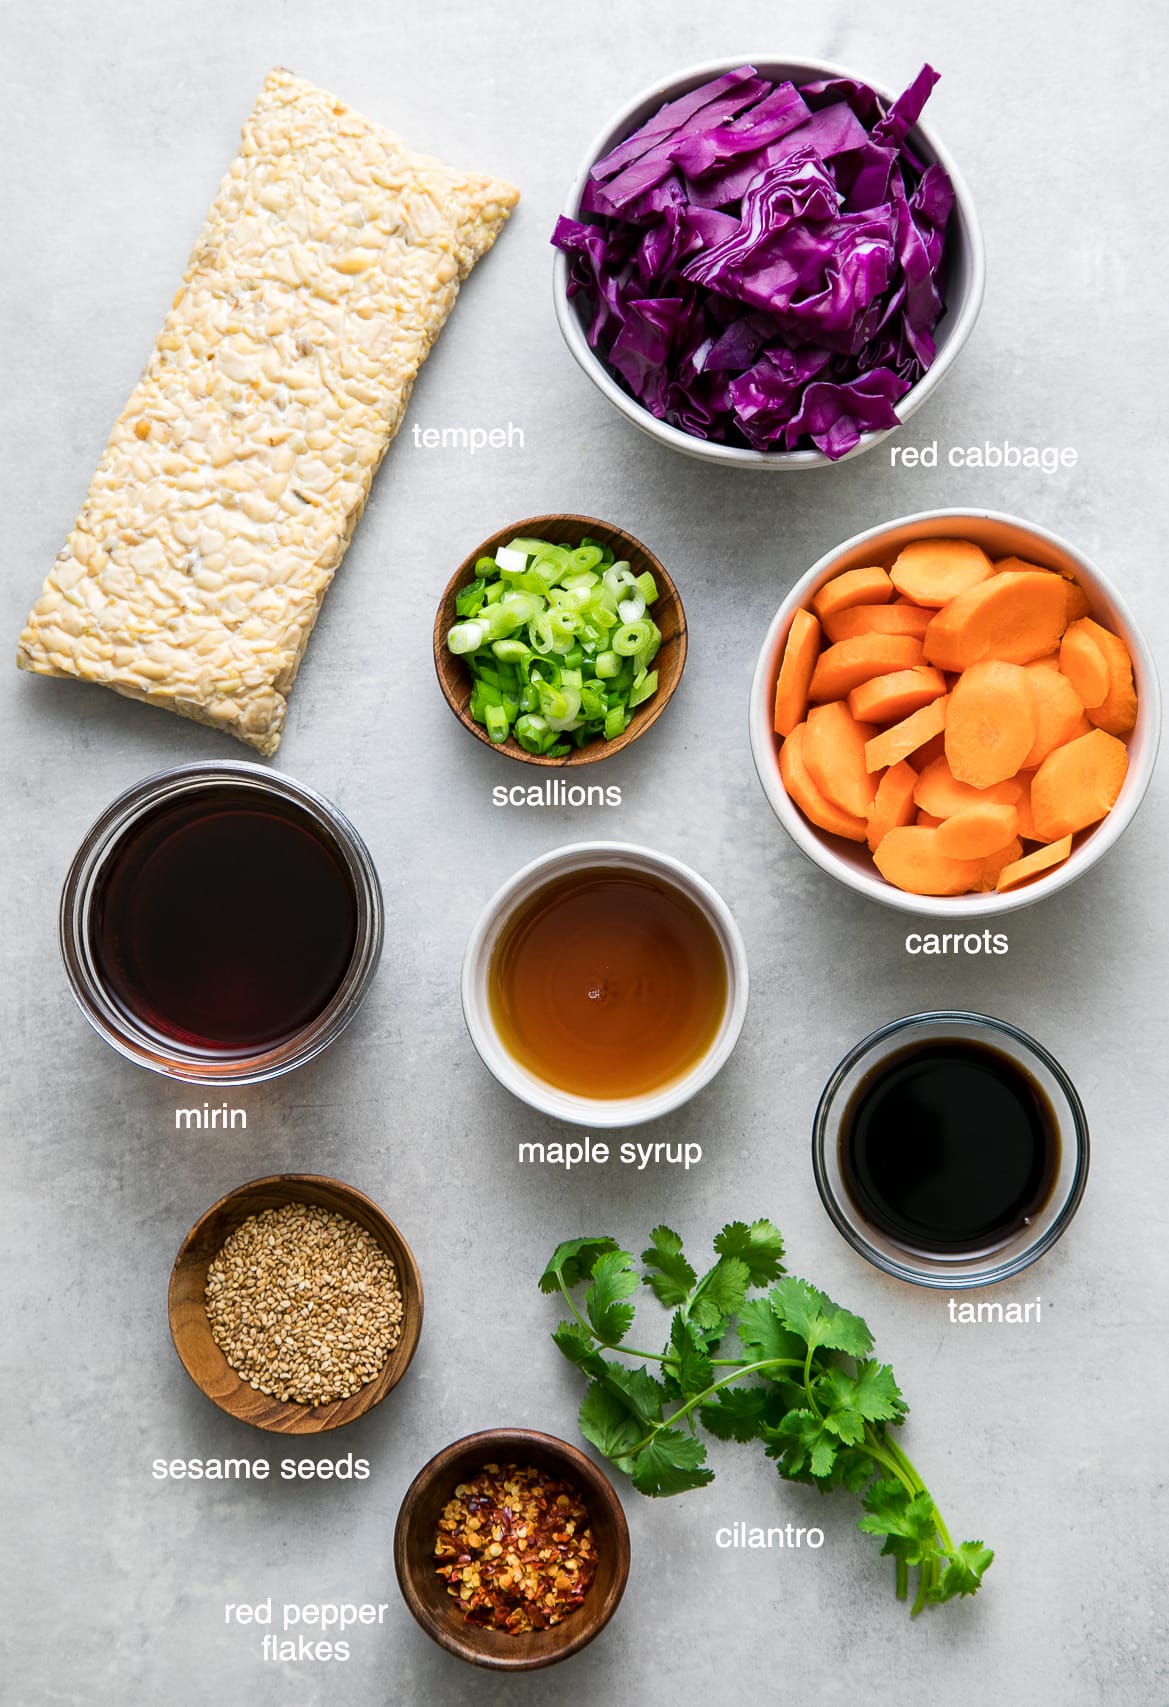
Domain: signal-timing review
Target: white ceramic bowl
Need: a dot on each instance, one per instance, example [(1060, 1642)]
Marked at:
[(1000, 536), (964, 274), (598, 1112)]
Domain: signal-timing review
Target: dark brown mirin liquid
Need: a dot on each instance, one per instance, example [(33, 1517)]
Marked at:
[(608, 984), (225, 920), (949, 1147)]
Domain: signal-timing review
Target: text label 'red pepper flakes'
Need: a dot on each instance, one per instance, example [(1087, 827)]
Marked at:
[(516, 1548)]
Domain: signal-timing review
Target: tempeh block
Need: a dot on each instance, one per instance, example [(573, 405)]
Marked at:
[(234, 477)]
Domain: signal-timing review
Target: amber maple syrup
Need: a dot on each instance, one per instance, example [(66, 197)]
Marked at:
[(608, 983)]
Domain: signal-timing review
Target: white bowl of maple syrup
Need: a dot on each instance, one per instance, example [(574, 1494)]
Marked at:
[(605, 984)]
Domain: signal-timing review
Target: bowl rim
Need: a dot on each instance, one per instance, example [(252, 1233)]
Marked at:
[(813, 843), (294, 1418), (594, 751), (965, 313), (148, 1049), (959, 1272), (565, 1638), (602, 1113)]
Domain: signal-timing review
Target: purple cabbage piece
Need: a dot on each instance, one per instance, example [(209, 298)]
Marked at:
[(762, 263), (668, 121)]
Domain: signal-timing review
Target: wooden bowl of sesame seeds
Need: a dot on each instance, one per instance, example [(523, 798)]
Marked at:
[(295, 1304), (436, 1602)]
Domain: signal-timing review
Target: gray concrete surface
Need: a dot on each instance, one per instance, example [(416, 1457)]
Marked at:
[(117, 122)]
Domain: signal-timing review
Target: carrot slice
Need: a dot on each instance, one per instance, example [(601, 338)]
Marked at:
[(991, 725), (834, 752), (1082, 660), (854, 587), (939, 792), (994, 863), (1057, 710), (901, 739), (1078, 784), (934, 748), (1023, 806), (934, 571), (1041, 860), (877, 619), (892, 806), (1015, 617), (795, 673), (978, 832), (928, 819), (1117, 713), (818, 811), (887, 699), (1077, 598), (846, 665), (911, 860)]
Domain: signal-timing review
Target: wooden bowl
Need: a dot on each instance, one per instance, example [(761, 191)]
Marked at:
[(425, 1591), (191, 1330), (667, 612)]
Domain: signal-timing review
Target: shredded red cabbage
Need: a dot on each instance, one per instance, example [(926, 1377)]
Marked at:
[(762, 262)]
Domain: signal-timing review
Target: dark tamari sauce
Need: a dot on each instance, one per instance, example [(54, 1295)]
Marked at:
[(949, 1147), (608, 983), (225, 921)]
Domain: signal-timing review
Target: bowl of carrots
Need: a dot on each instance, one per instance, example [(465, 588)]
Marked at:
[(955, 712)]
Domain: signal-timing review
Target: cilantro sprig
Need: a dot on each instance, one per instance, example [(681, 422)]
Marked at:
[(806, 1387)]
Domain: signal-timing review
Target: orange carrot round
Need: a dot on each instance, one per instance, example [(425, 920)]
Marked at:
[(1057, 709), (938, 791), (887, 699), (1019, 870), (934, 571), (834, 752), (991, 724), (795, 673), (807, 796), (1078, 784), (902, 739), (1015, 617), (892, 805), (1082, 661), (846, 665), (912, 860), (854, 587), (978, 832), (877, 619)]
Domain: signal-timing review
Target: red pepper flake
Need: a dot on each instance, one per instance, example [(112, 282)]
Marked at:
[(516, 1549)]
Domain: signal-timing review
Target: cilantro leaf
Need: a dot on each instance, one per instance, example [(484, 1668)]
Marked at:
[(908, 1525), (802, 1446), (674, 1280), (613, 1280), (670, 1463), (849, 1401), (687, 1360), (760, 1246), (573, 1262), (763, 1335), (638, 1388), (817, 1320), (720, 1293), (736, 1413), (578, 1347), (963, 1574), (609, 1424)]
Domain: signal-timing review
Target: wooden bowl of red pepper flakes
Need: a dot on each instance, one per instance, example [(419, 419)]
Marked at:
[(562, 1543)]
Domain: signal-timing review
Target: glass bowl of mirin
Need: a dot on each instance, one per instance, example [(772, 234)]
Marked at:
[(220, 923)]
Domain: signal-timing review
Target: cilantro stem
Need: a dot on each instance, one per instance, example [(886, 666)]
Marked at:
[(708, 1392), (631, 1350)]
